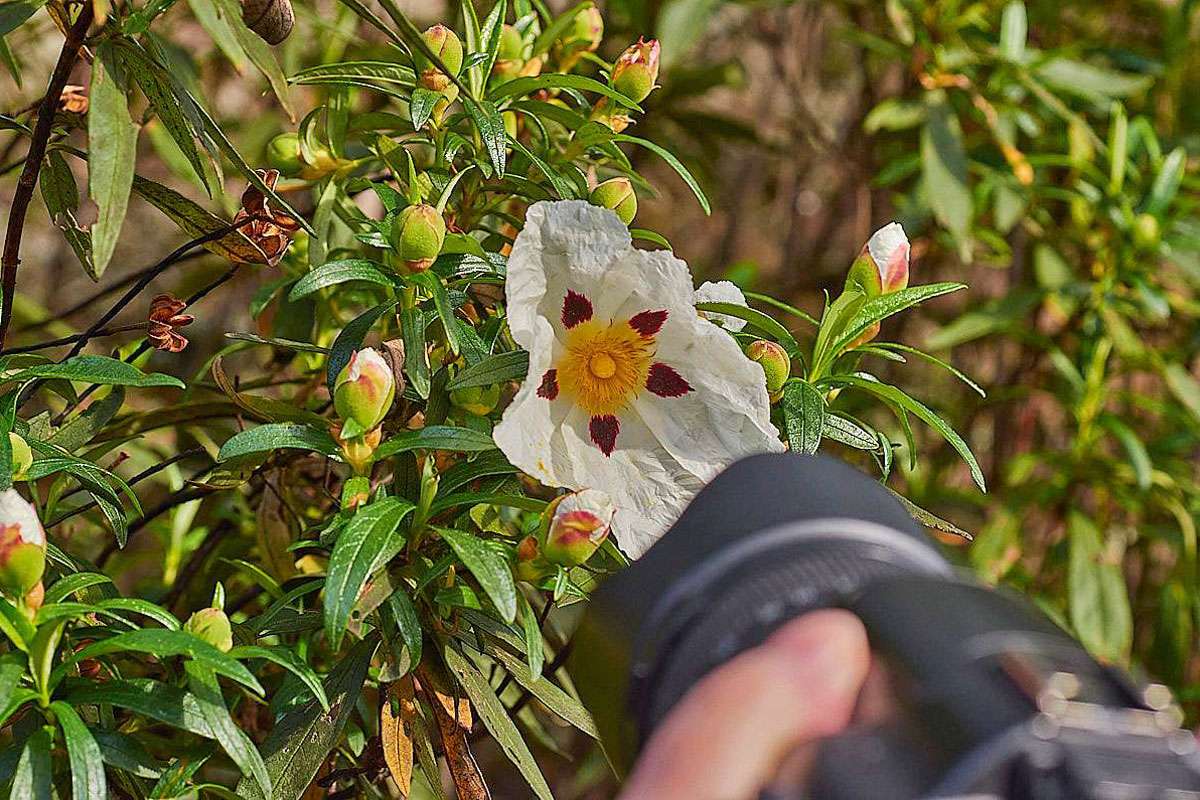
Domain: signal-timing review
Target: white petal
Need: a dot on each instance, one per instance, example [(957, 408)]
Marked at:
[(721, 292), (16, 510), (667, 448), (883, 243)]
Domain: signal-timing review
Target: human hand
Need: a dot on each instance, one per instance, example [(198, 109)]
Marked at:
[(728, 736)]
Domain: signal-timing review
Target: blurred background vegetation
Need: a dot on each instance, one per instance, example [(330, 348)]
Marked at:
[(1043, 153)]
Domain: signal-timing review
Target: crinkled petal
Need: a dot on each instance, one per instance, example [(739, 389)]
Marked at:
[(667, 447), (721, 292)]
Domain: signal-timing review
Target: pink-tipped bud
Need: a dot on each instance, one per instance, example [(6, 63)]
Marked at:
[(22, 546), (446, 45), (636, 70), (575, 525), (882, 266), (363, 392), (774, 361)]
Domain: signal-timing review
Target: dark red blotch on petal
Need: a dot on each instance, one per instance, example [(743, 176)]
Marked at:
[(648, 323), (549, 387), (604, 432), (576, 309), (664, 381)]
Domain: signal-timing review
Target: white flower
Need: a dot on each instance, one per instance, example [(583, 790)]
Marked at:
[(17, 512), (629, 391), (721, 292), (889, 250)]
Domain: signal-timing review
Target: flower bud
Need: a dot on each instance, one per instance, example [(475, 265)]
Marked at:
[(22, 456), (22, 546), (617, 194), (417, 235), (636, 70), (882, 266), (576, 524), (586, 30), (479, 400), (283, 154), (446, 46), (1146, 234), (211, 625), (363, 392), (774, 361)]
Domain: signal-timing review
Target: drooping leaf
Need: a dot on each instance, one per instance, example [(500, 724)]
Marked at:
[(276, 436), (1098, 600), (164, 643), (87, 765), (112, 138), (98, 369), (488, 567), (363, 546), (493, 369), (207, 691), (333, 273)]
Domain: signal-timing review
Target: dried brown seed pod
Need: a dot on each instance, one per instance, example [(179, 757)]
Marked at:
[(271, 19)]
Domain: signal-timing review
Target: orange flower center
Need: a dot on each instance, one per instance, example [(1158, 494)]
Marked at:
[(604, 366)]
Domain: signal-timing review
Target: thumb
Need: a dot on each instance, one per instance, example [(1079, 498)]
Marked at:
[(726, 737)]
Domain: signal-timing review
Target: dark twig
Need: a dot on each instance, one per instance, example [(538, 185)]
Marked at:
[(136, 479), (30, 348), (184, 495), (11, 259)]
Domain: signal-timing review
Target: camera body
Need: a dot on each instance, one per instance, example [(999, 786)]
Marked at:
[(989, 698)]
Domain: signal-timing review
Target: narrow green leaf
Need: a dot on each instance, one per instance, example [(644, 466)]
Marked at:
[(112, 140), (409, 625), (277, 436), (207, 691), (490, 125), (803, 416), (420, 106), (12, 667), (164, 643), (1098, 599), (1167, 181), (333, 273), (124, 752), (436, 437), (1139, 458), (383, 71), (1014, 27), (33, 779), (944, 164), (62, 203), (98, 369), (261, 54), (302, 740), (493, 369), (757, 319), (286, 658), (351, 338), (167, 704), (496, 720), (195, 222), (673, 163), (520, 87), (87, 765), (876, 309), (416, 359), (488, 567), (363, 546)]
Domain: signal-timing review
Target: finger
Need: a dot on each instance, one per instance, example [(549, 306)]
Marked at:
[(725, 738)]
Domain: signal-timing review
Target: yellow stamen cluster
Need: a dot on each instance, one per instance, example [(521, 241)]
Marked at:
[(604, 366)]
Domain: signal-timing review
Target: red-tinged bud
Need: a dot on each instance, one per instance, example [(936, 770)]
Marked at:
[(618, 195), (636, 70), (575, 525), (22, 546), (882, 266), (447, 47), (22, 456), (211, 625), (774, 361), (363, 392), (417, 236)]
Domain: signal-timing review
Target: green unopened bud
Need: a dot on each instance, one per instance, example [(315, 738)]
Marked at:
[(617, 194), (636, 70), (512, 45), (586, 30), (22, 546), (22, 456), (447, 47), (211, 625), (479, 400), (882, 266), (417, 235), (774, 361), (1146, 231), (283, 154), (575, 525), (363, 392)]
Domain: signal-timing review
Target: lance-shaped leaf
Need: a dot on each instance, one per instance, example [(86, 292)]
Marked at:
[(112, 142)]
